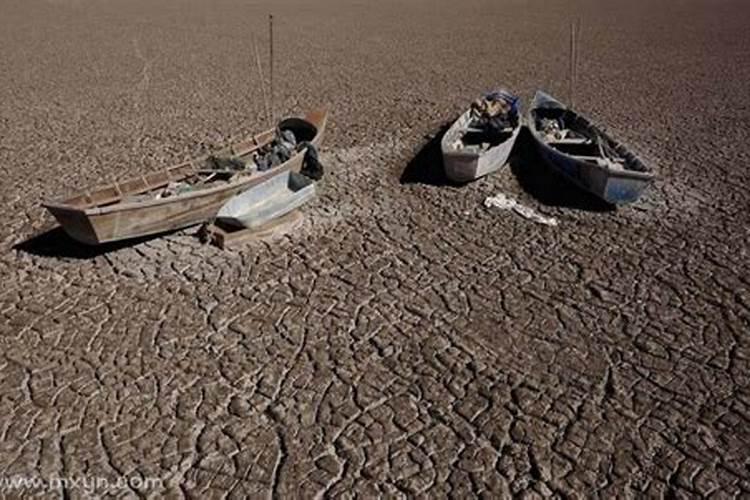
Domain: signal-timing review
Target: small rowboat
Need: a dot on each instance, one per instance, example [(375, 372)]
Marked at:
[(584, 154), (146, 205), (471, 149), (267, 201)]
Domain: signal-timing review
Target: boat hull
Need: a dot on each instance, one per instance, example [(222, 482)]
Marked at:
[(120, 221), (267, 201), (136, 221), (466, 166), (615, 186)]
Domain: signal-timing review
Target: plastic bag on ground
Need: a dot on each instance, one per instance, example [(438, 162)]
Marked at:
[(507, 203)]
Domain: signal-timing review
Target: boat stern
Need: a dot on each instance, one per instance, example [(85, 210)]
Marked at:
[(460, 167), (622, 190), (75, 222)]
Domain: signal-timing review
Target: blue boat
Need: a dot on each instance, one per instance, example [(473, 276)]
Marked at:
[(584, 154)]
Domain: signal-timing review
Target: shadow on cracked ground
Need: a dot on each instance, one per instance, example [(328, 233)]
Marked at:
[(544, 184), (56, 243)]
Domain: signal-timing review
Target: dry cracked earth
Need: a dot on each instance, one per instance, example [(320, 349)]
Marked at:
[(403, 340)]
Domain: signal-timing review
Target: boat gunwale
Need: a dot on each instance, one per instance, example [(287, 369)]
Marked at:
[(135, 205)]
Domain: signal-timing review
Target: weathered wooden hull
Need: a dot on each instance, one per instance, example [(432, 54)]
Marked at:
[(119, 221), (465, 166), (615, 186), (135, 220)]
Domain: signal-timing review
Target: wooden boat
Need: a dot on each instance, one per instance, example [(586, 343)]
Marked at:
[(583, 153), (267, 201), (228, 237), (138, 207), (470, 153)]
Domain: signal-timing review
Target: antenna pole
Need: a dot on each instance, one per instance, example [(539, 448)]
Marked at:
[(571, 70), (575, 29), (578, 45), (262, 82), (270, 52)]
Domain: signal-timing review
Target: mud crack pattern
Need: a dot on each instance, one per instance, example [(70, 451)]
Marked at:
[(403, 340)]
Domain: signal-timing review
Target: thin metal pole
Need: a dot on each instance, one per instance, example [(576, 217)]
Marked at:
[(575, 34), (578, 47), (571, 69), (262, 82), (270, 51)]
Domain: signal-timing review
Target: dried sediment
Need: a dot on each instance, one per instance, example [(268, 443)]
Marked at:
[(403, 338)]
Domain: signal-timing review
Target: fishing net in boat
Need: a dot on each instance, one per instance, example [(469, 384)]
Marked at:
[(277, 151), (284, 145), (311, 166), (496, 112), (283, 148), (221, 163), (492, 120), (553, 129)]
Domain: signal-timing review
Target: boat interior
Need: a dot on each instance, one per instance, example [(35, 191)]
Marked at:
[(276, 191), (573, 135), (467, 137), (117, 192), (206, 172), (304, 131), (486, 138)]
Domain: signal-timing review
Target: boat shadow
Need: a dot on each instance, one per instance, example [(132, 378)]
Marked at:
[(55, 242), (545, 184), (426, 167)]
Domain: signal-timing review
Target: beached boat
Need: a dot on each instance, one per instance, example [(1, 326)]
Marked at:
[(481, 140), (583, 153), (267, 201), (184, 195)]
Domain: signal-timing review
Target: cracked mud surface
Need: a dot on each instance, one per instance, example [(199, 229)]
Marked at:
[(403, 339)]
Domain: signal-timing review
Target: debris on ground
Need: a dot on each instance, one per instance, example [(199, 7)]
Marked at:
[(504, 202)]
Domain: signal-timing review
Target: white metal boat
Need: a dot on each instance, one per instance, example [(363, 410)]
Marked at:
[(267, 201)]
